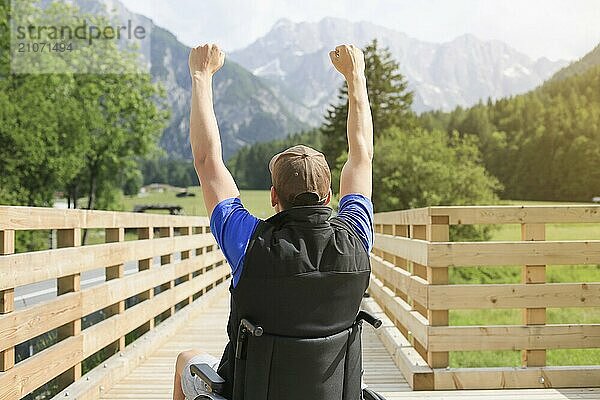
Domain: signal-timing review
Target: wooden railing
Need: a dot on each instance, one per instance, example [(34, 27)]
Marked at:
[(410, 283), (174, 261), (189, 264)]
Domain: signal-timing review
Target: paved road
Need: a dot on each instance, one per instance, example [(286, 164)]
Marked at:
[(28, 295)]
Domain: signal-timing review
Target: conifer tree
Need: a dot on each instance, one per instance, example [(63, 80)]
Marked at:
[(389, 98)]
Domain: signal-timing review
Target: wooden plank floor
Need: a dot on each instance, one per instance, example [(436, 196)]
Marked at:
[(152, 380)]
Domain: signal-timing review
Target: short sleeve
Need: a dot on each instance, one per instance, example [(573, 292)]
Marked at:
[(233, 226), (357, 210)]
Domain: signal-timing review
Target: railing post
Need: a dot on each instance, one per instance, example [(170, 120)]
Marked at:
[(116, 235), (399, 262), (68, 284), (199, 230), (377, 228), (387, 230), (401, 230), (167, 259), (7, 298), (199, 251), (533, 274), (144, 264), (438, 231), (186, 231), (419, 232)]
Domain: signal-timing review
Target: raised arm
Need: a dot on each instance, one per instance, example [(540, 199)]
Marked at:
[(217, 182), (357, 173)]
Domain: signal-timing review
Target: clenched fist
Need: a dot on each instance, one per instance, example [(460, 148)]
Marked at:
[(348, 60), (206, 59)]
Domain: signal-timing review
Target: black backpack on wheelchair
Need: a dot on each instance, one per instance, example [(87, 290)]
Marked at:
[(304, 275), (271, 367)]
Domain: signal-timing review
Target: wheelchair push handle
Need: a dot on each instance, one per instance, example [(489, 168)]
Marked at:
[(252, 329), (369, 318), (245, 329)]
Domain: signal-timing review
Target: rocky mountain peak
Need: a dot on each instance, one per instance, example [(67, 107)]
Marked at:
[(458, 72)]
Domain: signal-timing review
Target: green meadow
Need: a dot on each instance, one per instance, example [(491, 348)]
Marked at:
[(257, 201), (512, 274)]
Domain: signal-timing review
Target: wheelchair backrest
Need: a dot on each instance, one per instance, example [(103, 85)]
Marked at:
[(277, 367)]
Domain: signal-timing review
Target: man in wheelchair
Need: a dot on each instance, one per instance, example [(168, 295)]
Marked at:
[(298, 278)]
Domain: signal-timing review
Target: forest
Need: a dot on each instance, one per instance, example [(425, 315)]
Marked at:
[(542, 145)]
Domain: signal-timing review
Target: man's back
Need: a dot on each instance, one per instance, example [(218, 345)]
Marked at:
[(303, 275)]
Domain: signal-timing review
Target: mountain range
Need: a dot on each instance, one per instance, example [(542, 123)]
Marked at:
[(246, 107), (283, 82), (460, 72)]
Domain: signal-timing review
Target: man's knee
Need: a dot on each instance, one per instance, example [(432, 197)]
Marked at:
[(183, 358)]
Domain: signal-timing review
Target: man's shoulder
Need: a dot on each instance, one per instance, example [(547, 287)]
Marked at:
[(355, 199), (356, 215), (227, 208), (339, 223), (356, 208)]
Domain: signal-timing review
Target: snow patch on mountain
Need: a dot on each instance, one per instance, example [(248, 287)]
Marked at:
[(272, 68), (516, 71)]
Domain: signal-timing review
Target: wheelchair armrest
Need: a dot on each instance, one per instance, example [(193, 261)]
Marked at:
[(368, 394), (209, 396), (209, 376)]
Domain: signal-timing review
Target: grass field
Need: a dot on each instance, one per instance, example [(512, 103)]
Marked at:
[(512, 274), (258, 203)]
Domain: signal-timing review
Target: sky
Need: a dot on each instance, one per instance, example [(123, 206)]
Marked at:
[(557, 29)]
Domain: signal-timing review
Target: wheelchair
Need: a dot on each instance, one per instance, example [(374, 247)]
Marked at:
[(271, 367)]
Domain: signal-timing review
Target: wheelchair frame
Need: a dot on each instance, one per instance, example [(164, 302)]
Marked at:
[(214, 383)]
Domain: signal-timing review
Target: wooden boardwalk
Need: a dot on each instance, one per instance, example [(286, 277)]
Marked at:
[(152, 379)]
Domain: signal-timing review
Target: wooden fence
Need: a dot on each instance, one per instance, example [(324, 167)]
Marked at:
[(189, 264), (410, 283)]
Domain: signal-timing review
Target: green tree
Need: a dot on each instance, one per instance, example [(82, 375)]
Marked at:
[(122, 122), (75, 130), (420, 168), (38, 150), (389, 98)]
